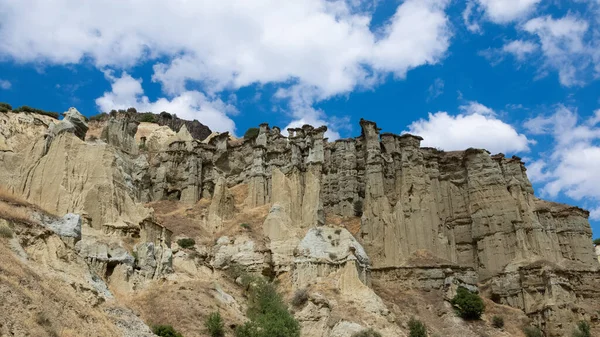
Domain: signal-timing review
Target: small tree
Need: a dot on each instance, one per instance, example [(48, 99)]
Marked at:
[(468, 305), (214, 324), (165, 331), (583, 330), (268, 313), (597, 241), (251, 133), (417, 328), (498, 322)]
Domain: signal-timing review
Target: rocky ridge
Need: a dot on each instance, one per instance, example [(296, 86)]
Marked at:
[(331, 217)]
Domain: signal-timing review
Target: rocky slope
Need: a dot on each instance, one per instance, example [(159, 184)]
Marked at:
[(375, 228)]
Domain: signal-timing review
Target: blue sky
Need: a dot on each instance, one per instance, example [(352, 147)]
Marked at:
[(513, 76)]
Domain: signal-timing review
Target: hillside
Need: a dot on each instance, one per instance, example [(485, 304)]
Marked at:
[(375, 230)]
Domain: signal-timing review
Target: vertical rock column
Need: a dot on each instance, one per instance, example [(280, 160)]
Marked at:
[(312, 205), (342, 178), (417, 215), (191, 191), (497, 225), (376, 220), (257, 187)]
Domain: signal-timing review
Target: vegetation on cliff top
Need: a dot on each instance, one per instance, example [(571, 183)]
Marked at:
[(5, 107)]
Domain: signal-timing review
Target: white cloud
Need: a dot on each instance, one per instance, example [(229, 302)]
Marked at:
[(4, 84), (477, 127), (473, 107), (564, 47), (467, 15), (535, 171), (504, 11), (435, 89), (595, 214), (520, 49), (572, 168), (127, 92), (227, 44)]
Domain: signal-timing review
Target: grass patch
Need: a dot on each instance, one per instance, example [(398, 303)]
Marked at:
[(165, 331), (417, 328), (367, 333)]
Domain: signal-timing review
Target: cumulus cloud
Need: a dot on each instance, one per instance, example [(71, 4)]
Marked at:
[(476, 127), (228, 44), (572, 168), (504, 11), (564, 46), (473, 107), (127, 92), (520, 49), (4, 84)]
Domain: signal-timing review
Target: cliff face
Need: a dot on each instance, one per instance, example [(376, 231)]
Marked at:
[(376, 208), (470, 208)]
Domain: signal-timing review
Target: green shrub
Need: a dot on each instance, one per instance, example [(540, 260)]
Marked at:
[(5, 107), (268, 314), (99, 117), (300, 297), (597, 241), (186, 242), (147, 117), (251, 133), (26, 108), (132, 110), (245, 226), (165, 331), (498, 322), (367, 333), (6, 232), (583, 330), (532, 331), (214, 324), (468, 305), (416, 328)]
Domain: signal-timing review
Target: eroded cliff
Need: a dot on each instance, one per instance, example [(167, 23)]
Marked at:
[(332, 217)]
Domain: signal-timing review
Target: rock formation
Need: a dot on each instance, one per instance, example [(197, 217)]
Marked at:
[(375, 208)]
